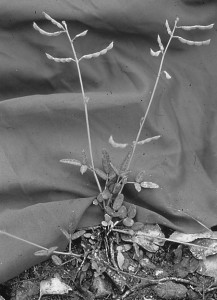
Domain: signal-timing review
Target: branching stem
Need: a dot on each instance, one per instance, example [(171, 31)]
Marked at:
[(85, 106), (152, 94)]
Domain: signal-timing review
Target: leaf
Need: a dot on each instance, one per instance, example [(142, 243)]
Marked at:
[(77, 234), (209, 247), (125, 162), (168, 27), (140, 176), (128, 222), (154, 53), (83, 33), (116, 145), (189, 237), (58, 59), (208, 267), (53, 21), (74, 162), (66, 233), (83, 169), (201, 27), (118, 202), (96, 54), (53, 286), (149, 185), (138, 226), (36, 27), (148, 140), (45, 252), (106, 194), (56, 260), (122, 212), (137, 186), (101, 173), (160, 43), (149, 238), (106, 163), (195, 43), (131, 211), (117, 188), (120, 259), (167, 75)]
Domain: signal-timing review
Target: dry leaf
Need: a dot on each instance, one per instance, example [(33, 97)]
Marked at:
[(208, 267), (190, 237), (149, 238), (209, 247)]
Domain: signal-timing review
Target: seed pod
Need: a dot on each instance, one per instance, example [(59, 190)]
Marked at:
[(70, 161), (81, 34), (118, 202), (201, 27), (58, 59), (195, 43), (52, 20), (115, 144), (128, 222), (131, 211), (154, 53), (36, 27), (168, 27), (160, 43)]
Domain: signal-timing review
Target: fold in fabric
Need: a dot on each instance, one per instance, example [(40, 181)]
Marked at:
[(42, 118)]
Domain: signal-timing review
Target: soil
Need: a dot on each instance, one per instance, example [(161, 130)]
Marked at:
[(105, 271)]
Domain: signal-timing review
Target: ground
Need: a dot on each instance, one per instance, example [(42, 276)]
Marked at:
[(111, 266)]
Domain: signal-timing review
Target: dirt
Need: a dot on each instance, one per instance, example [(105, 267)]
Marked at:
[(111, 268)]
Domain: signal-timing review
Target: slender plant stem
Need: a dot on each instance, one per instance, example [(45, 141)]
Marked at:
[(152, 94), (36, 245), (85, 106)]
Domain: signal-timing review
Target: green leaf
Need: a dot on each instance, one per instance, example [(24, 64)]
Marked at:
[(101, 173), (106, 162), (77, 234), (118, 202), (66, 233), (131, 211), (57, 261), (140, 176), (128, 222)]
